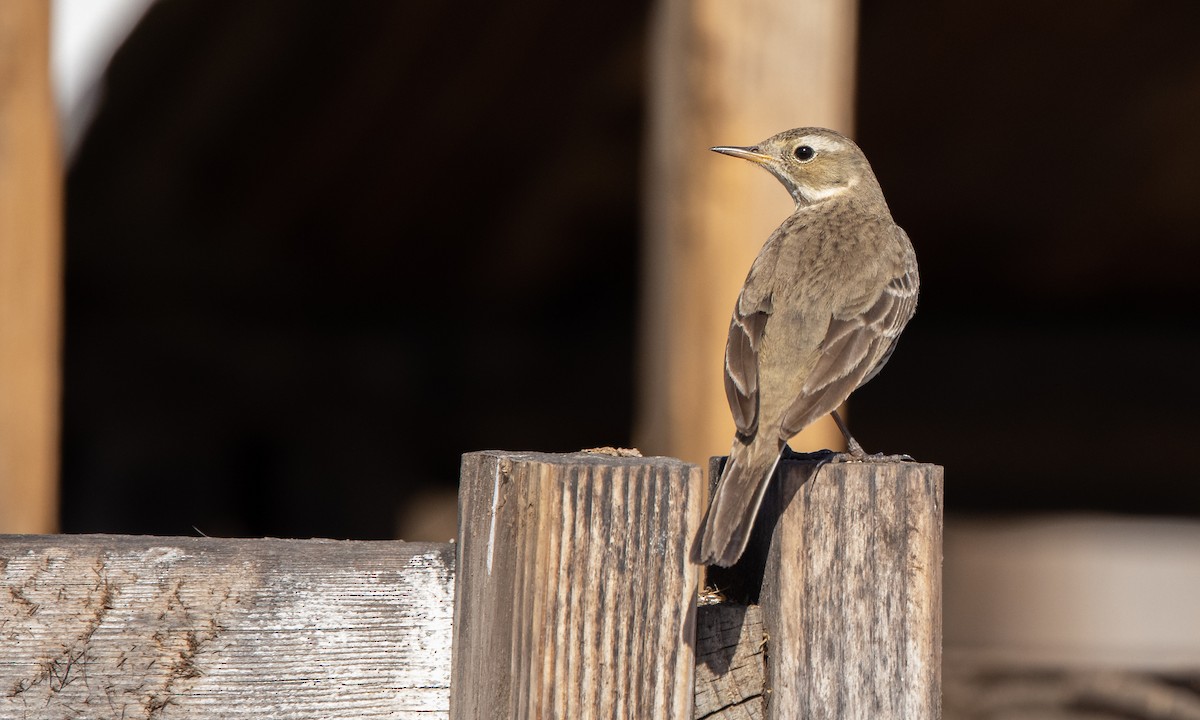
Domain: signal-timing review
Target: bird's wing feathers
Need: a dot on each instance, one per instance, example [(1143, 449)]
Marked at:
[(745, 337), (858, 342), (741, 369), (900, 295)]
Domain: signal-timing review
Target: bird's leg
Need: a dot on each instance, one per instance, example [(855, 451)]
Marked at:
[(854, 451)]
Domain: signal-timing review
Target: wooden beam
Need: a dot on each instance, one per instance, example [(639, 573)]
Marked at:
[(729, 73), (575, 595), (123, 627), (731, 656), (851, 593), (845, 566), (30, 272)]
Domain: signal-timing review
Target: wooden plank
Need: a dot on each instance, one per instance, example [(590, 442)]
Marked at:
[(851, 593), (730, 73), (730, 663), (30, 272), (575, 596), (123, 627), (1074, 592)]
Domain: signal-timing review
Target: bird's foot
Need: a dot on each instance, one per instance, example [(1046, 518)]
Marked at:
[(854, 451)]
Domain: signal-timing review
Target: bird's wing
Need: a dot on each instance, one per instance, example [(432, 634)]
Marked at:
[(901, 292), (859, 340), (745, 337)]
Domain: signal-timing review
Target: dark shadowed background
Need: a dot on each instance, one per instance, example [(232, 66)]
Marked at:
[(315, 251)]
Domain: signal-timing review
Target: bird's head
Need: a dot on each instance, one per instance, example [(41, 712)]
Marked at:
[(814, 164)]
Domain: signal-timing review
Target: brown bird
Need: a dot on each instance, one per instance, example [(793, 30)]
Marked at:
[(819, 315)]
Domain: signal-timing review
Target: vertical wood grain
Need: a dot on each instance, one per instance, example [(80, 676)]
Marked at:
[(575, 597), (851, 595)]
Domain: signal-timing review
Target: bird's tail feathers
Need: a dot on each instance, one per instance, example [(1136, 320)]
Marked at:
[(735, 503)]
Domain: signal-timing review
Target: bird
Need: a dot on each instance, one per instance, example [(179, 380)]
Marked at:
[(819, 314)]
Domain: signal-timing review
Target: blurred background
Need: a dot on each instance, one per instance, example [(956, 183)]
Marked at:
[(316, 251)]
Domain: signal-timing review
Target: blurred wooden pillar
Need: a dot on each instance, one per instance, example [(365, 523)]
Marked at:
[(30, 272), (723, 73)]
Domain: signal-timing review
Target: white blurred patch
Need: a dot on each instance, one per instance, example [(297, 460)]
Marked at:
[(84, 34)]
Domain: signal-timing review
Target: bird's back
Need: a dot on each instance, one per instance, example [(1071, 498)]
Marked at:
[(845, 285)]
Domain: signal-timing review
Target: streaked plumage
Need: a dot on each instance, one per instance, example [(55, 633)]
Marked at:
[(819, 315)]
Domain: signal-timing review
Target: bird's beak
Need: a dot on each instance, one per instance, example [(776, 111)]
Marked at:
[(753, 153)]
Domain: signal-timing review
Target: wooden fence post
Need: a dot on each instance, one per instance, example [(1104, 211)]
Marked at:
[(845, 564), (575, 597)]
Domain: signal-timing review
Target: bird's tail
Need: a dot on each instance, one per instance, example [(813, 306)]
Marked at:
[(736, 500)]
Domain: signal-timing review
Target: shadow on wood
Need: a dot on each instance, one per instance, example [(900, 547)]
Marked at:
[(846, 559)]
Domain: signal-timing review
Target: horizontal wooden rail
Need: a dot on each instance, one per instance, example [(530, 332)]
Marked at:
[(105, 626)]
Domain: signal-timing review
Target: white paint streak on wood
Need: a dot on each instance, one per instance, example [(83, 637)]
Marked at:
[(491, 547)]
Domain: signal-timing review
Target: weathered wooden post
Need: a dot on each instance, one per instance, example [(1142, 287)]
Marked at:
[(846, 561), (575, 597)]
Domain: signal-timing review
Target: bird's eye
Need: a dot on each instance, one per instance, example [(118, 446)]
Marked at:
[(805, 153)]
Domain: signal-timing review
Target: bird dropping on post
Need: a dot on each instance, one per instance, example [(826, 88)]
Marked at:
[(819, 315)]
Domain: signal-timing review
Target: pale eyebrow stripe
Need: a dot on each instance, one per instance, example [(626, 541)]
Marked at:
[(820, 144)]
